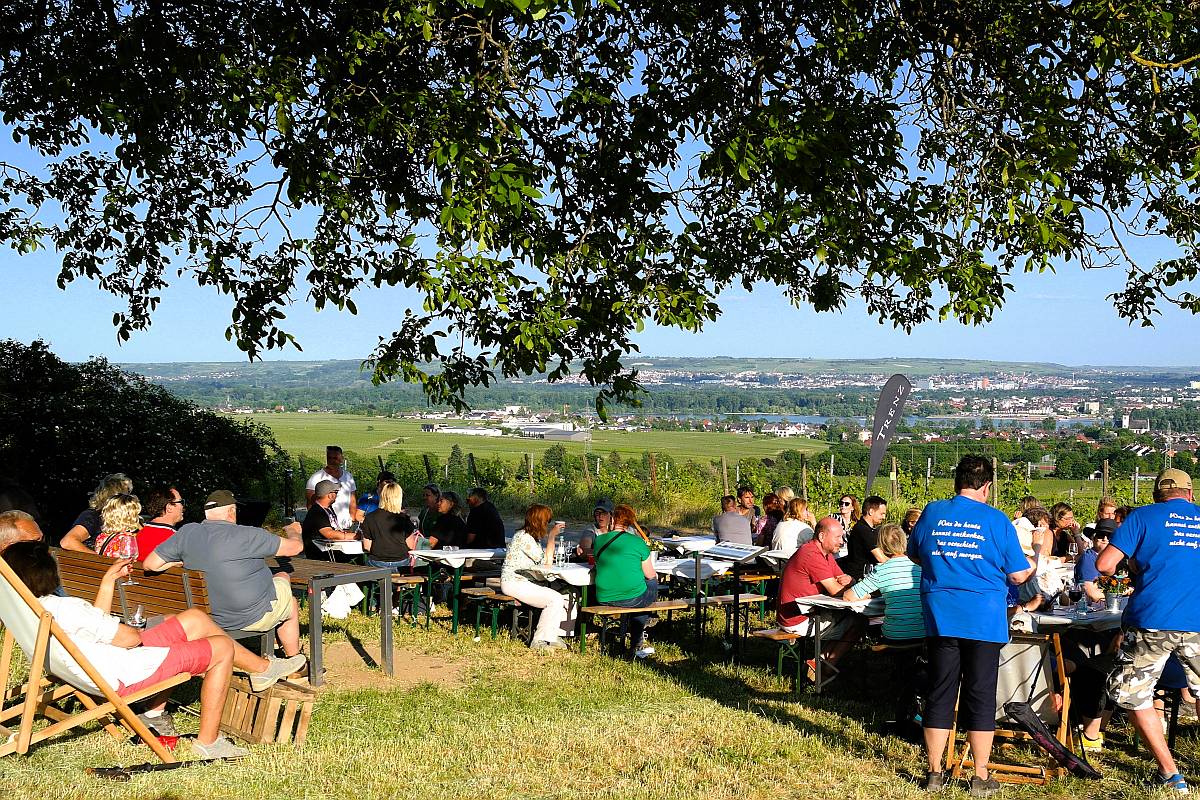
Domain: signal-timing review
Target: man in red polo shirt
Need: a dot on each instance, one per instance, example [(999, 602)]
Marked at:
[(813, 570)]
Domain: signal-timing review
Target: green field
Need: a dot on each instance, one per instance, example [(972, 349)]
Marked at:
[(308, 434)]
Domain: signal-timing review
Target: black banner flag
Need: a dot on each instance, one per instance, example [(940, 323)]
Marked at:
[(887, 416)]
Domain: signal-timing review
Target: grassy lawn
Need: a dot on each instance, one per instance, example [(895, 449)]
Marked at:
[(308, 434), (528, 725)]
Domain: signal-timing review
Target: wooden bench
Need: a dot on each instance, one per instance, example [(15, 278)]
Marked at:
[(159, 594), (680, 604), (789, 649), (494, 602)]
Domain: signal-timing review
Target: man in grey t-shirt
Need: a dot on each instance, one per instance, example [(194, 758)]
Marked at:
[(730, 525), (242, 593)]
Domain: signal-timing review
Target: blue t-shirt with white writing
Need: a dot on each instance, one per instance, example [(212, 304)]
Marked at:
[(966, 550), (1164, 540)]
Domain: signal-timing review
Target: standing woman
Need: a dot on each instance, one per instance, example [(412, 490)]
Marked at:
[(120, 517), (449, 529), (385, 530), (625, 575), (525, 551)]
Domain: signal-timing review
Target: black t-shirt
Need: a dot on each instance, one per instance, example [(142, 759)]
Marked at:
[(484, 521), (89, 519), (862, 540), (316, 519), (449, 529), (388, 533)]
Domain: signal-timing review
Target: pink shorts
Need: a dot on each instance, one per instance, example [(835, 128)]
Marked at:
[(182, 655)]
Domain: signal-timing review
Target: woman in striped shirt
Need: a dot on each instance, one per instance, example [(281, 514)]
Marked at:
[(898, 580)]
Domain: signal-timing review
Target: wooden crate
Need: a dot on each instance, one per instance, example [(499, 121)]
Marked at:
[(280, 714)]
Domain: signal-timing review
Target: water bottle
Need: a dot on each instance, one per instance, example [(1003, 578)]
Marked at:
[(1083, 607)]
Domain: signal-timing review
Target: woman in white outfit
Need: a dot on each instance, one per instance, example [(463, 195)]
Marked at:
[(524, 551), (795, 529)]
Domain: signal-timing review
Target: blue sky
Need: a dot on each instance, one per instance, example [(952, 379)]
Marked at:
[(1062, 318)]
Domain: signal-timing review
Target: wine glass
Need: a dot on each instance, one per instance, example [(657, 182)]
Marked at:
[(127, 549)]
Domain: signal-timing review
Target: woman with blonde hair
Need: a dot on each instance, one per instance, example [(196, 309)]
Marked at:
[(533, 546), (120, 517), (85, 529), (625, 575), (385, 530), (795, 529)]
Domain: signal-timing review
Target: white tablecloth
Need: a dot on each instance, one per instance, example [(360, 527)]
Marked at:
[(350, 547), (686, 567), (574, 574), (690, 544), (1060, 618), (872, 607), (458, 558)]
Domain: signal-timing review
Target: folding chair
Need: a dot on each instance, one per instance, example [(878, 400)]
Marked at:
[(58, 671), (1031, 669)]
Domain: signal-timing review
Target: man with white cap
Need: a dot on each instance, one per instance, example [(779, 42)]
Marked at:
[(1163, 615), (242, 592)]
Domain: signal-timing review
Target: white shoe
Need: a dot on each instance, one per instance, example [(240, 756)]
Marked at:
[(644, 651)]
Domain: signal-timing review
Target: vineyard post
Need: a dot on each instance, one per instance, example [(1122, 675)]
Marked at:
[(995, 484), (653, 476), (928, 473), (1137, 478), (831, 472), (529, 463), (895, 480), (471, 469), (724, 476), (804, 477), (1104, 478), (587, 474), (428, 467)]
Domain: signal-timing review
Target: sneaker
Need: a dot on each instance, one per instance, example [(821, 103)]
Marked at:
[(935, 782), (1172, 783), (828, 670), (542, 645), (643, 651), (162, 725), (277, 668), (983, 787), (220, 748), (1091, 745)]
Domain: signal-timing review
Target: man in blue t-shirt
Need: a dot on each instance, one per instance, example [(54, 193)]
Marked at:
[(1163, 615), (968, 552)]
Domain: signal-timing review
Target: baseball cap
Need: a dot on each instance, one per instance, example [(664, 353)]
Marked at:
[(1104, 527), (325, 487), (604, 505), (1173, 479), (219, 499)]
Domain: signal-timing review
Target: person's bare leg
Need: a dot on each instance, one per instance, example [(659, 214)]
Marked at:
[(1148, 724), (214, 688), (198, 625), (981, 750), (935, 747), (841, 646), (289, 632)]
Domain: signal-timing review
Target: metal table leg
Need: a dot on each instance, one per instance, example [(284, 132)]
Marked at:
[(315, 678), (582, 629), (454, 600), (385, 621)]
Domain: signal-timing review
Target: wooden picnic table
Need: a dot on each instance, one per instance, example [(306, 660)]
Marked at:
[(316, 576)]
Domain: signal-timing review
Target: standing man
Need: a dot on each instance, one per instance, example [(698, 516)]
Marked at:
[(863, 543), (346, 505), (1163, 615), (485, 528), (165, 507), (965, 549)]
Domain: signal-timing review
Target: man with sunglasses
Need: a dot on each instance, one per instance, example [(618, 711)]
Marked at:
[(165, 507)]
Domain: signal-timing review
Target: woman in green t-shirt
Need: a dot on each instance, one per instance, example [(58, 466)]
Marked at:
[(625, 575)]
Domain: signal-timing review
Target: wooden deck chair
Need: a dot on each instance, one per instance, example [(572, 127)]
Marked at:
[(1031, 670), (58, 671)]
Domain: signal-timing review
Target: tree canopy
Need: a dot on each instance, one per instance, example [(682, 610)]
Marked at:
[(549, 176)]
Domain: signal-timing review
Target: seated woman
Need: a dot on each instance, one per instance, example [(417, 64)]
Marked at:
[(120, 518), (131, 660), (795, 529), (764, 526), (898, 581), (524, 551), (82, 534), (449, 529), (385, 530), (625, 575)]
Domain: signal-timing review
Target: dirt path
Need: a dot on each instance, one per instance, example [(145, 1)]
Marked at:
[(346, 668)]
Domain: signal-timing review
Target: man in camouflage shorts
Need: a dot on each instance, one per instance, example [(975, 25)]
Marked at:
[(1163, 615)]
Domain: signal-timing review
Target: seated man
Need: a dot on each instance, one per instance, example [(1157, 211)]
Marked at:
[(731, 525), (322, 521), (241, 590), (813, 570), (130, 660)]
